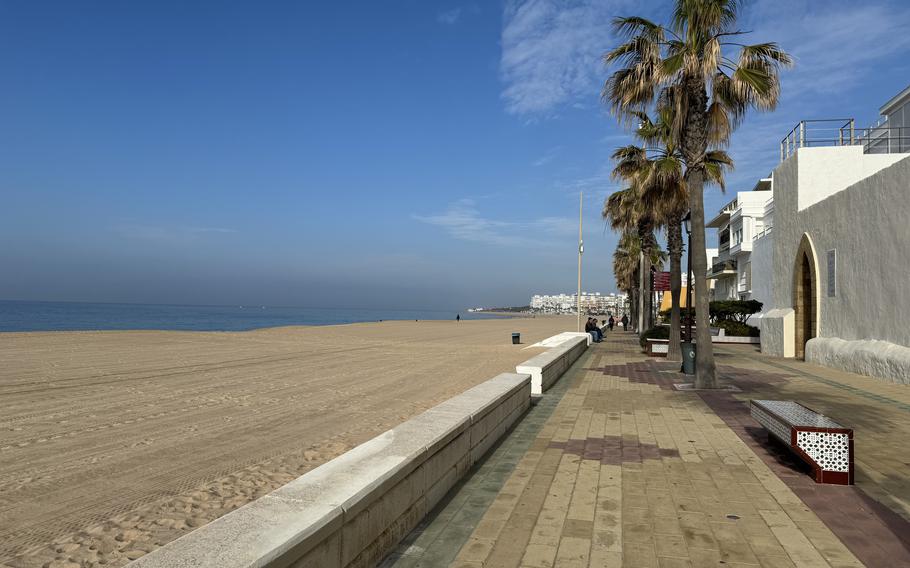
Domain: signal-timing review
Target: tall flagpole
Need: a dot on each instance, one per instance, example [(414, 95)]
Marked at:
[(581, 250)]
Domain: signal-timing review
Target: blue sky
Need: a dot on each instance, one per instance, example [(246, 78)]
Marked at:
[(386, 154)]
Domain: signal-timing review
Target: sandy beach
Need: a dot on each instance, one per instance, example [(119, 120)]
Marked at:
[(115, 443)]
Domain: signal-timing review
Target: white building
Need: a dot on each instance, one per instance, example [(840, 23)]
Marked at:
[(738, 225), (591, 302), (840, 258)]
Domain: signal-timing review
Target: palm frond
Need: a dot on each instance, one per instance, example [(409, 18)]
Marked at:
[(634, 25)]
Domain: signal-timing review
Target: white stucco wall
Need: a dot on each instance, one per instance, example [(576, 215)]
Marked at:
[(762, 265), (867, 223), (828, 170)]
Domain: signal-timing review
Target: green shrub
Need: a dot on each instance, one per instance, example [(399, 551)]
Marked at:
[(659, 332), (723, 310), (738, 328), (734, 310), (665, 314)]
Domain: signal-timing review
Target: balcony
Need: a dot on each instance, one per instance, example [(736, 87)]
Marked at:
[(722, 268), (743, 246), (880, 139)]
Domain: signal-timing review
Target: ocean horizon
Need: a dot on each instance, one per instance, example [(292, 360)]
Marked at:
[(16, 315)]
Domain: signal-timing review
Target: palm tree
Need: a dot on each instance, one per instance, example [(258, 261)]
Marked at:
[(627, 266), (625, 212), (659, 168), (689, 64), (625, 269)]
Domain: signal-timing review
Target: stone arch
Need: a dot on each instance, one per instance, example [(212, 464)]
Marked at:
[(805, 295)]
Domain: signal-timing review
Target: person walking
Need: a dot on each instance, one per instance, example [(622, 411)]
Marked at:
[(457, 317), (611, 322), (625, 322)]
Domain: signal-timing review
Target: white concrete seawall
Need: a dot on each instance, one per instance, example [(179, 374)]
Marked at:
[(354, 509), (546, 368)]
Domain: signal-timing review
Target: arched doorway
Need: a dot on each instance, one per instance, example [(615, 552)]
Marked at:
[(805, 295)]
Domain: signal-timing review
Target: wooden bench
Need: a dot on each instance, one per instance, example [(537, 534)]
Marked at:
[(821, 442)]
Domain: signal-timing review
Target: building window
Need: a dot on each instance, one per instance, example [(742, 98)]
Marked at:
[(832, 273)]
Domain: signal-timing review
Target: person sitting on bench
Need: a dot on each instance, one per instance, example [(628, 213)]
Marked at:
[(591, 327)]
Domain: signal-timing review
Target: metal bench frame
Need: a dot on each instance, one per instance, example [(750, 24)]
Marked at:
[(828, 449)]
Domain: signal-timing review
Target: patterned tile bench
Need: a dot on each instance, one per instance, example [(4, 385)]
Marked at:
[(821, 442), (657, 347)]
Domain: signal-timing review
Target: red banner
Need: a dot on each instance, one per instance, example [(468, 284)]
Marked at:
[(661, 281)]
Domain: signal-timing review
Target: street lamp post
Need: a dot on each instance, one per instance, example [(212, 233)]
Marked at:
[(687, 223), (581, 250)]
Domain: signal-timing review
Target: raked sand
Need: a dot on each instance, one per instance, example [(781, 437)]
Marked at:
[(114, 443)]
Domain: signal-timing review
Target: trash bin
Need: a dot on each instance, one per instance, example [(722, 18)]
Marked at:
[(516, 338), (688, 357)]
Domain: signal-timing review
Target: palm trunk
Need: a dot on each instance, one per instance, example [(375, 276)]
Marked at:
[(674, 247), (641, 324), (646, 238), (695, 144)]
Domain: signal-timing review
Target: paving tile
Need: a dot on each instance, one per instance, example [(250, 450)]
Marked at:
[(573, 552), (617, 468), (539, 556), (673, 562), (671, 545)]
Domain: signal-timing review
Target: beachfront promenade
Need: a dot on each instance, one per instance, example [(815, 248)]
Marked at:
[(615, 467)]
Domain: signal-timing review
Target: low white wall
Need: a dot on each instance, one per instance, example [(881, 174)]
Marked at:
[(355, 509), (546, 368), (873, 358), (560, 338)]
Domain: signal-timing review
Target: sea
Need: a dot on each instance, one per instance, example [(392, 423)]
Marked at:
[(77, 316)]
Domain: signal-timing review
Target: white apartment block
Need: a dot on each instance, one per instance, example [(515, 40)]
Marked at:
[(739, 224), (591, 302)]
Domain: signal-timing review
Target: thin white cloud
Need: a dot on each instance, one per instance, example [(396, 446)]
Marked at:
[(551, 49), (551, 52), (547, 157), (835, 44), (163, 234), (449, 17), (463, 221), (839, 48), (211, 230), (598, 183)]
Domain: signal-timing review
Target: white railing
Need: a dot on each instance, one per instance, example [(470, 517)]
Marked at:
[(879, 139), (763, 232)]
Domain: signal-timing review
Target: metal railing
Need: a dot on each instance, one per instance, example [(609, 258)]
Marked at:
[(881, 139), (723, 266)]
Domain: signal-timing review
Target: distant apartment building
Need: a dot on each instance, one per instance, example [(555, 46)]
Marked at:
[(839, 260), (739, 223), (591, 302)]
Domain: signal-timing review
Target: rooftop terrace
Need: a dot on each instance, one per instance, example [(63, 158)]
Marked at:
[(879, 139)]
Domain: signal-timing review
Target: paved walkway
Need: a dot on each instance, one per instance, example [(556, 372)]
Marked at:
[(616, 468)]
